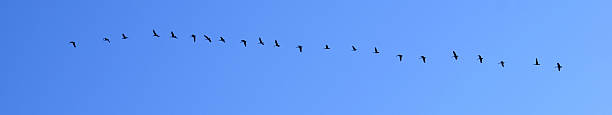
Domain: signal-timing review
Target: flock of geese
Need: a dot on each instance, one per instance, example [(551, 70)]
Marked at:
[(244, 42)]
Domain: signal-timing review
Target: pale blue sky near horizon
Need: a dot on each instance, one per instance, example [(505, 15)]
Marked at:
[(43, 75)]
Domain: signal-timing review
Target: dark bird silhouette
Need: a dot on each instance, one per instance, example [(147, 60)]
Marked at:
[(260, 41), (354, 49), (299, 47), (172, 33), (423, 57), (276, 43), (558, 66), (537, 63), (222, 40), (480, 58), (400, 56), (455, 55), (207, 38), (107, 40), (194, 37), (376, 50), (326, 47), (243, 42), (502, 63), (155, 34), (73, 44), (124, 37)]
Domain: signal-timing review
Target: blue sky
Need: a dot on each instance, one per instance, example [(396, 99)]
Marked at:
[(42, 74)]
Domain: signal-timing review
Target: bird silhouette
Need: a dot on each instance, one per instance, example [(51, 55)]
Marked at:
[(400, 56), (124, 37), (276, 43), (172, 33), (299, 47), (455, 55), (194, 37), (354, 49), (243, 42), (207, 38), (480, 58), (376, 50), (155, 34), (260, 41), (502, 63), (73, 44), (107, 40), (326, 47), (537, 63), (558, 66), (222, 40), (423, 57)]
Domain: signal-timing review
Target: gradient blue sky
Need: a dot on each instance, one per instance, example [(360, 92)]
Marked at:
[(43, 75)]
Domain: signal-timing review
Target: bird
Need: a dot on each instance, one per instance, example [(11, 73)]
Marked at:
[(299, 47), (537, 63), (276, 43), (260, 41), (207, 38), (194, 37), (400, 56), (155, 34), (222, 40), (243, 42), (455, 55), (107, 40), (172, 33), (558, 66), (124, 37), (423, 57), (73, 44), (326, 47), (376, 50), (354, 49), (480, 58), (502, 63)]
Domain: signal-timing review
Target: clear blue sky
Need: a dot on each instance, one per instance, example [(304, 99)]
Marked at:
[(41, 74)]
